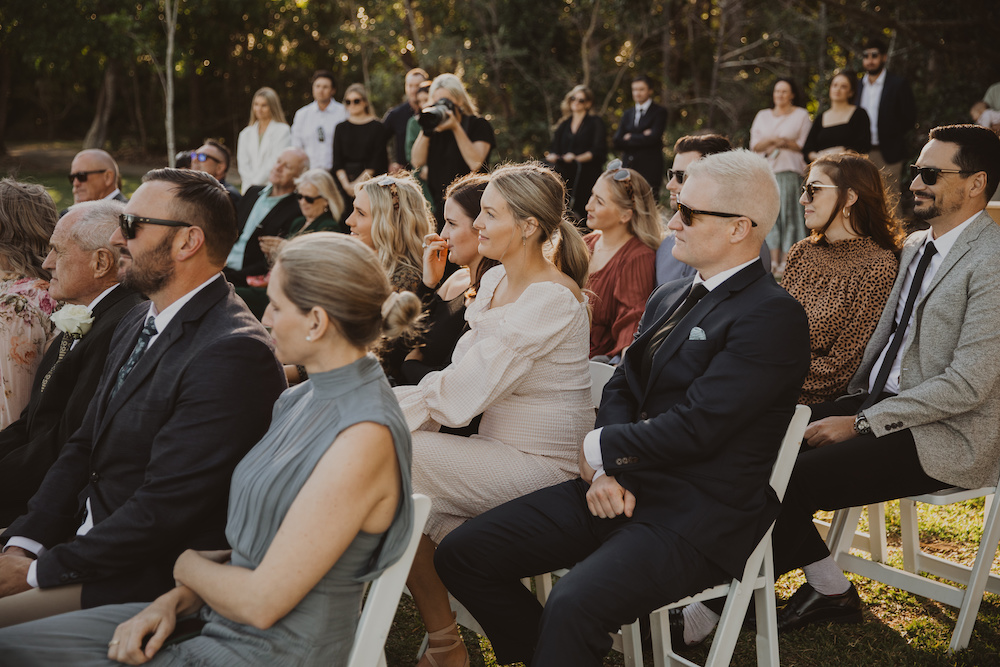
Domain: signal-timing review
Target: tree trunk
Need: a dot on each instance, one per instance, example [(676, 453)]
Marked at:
[(4, 95), (137, 103), (98, 132), (414, 33), (170, 8)]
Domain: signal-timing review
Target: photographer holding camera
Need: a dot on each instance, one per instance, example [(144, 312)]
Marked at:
[(453, 141)]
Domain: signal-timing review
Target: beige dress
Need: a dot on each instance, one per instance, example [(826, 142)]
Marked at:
[(524, 367)]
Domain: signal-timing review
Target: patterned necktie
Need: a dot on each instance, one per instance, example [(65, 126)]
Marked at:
[(65, 343), (693, 297), (897, 335), (141, 344)]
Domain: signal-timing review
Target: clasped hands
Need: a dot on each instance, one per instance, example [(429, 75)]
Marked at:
[(606, 498)]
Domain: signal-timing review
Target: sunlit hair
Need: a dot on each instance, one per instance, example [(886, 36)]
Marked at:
[(323, 181), (273, 103), (315, 269), (978, 150), (467, 192), (398, 235), (97, 221), (645, 221), (453, 85), (532, 190), (706, 144), (564, 106), (744, 184), (359, 90), (27, 219)]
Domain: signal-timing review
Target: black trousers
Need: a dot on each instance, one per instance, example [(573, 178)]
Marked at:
[(859, 471), (621, 569)]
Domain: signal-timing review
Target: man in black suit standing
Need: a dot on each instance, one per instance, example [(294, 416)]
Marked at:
[(84, 268), (639, 139), (187, 390), (889, 103), (265, 210), (673, 493)]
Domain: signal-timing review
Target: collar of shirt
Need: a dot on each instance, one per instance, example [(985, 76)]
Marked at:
[(944, 244), (162, 319), (644, 107), (722, 277), (114, 194), (877, 83)]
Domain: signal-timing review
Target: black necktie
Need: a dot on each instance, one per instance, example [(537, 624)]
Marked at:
[(64, 344), (897, 335), (141, 344), (693, 297)]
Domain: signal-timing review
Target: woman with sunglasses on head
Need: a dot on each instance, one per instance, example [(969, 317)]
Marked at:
[(358, 145), (627, 232), (842, 127), (522, 365), (262, 140), (843, 272), (779, 133), (320, 506), (579, 147)]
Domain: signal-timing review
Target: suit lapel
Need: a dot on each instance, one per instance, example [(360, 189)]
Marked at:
[(675, 299), (963, 244)]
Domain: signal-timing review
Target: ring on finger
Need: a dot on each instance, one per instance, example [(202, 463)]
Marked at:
[(114, 642)]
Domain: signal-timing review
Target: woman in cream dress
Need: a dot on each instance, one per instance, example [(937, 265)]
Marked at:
[(262, 140)]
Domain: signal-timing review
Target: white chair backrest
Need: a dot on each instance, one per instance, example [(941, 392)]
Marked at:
[(790, 444), (600, 373), (384, 594)]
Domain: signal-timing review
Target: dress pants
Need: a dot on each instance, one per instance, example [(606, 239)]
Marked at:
[(622, 569), (858, 471)]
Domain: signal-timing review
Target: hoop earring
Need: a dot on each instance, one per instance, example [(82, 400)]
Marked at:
[(847, 212)]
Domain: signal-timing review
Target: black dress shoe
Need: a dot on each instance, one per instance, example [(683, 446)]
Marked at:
[(808, 606), (675, 617)]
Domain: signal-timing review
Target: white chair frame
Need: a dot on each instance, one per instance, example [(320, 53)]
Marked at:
[(841, 537), (383, 597)]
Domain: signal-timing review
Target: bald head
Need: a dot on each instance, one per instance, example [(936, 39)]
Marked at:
[(94, 174), (291, 163)]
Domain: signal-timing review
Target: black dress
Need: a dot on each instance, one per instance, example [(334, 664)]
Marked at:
[(356, 148), (445, 162), (580, 177), (855, 134)]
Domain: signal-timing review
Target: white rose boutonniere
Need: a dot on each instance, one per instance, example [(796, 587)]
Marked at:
[(74, 320)]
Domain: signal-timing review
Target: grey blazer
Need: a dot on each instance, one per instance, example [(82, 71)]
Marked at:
[(950, 379)]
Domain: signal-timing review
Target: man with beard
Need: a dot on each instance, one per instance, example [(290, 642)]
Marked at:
[(187, 390)]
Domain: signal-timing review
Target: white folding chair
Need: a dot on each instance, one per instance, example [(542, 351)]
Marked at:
[(757, 581), (383, 597), (976, 579)]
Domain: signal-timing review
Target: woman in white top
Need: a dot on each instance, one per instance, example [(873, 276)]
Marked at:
[(264, 137)]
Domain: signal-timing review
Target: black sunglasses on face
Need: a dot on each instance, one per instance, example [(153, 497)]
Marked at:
[(354, 101), (202, 157), (929, 175), (687, 214), (675, 173), (578, 99), (809, 190), (309, 200), (82, 175), (127, 223)]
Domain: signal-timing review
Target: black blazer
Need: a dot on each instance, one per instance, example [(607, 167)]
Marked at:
[(697, 441), (897, 115), (275, 223), (643, 152), (29, 446), (155, 461)]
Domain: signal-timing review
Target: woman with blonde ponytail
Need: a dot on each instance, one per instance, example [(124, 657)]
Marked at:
[(523, 365)]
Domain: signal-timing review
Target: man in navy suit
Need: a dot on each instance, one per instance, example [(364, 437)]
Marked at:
[(639, 139), (84, 268), (673, 493), (187, 390)]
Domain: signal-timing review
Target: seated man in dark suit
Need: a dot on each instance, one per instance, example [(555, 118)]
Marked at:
[(265, 211), (84, 268), (187, 390), (673, 494)]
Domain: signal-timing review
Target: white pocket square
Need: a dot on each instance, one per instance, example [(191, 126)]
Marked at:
[(697, 334)]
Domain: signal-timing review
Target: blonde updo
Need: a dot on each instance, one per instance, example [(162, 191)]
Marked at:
[(315, 269)]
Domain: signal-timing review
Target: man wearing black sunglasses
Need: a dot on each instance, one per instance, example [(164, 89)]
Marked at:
[(213, 158), (94, 175), (187, 389)]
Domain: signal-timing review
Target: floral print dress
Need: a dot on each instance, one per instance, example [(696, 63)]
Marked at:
[(25, 307)]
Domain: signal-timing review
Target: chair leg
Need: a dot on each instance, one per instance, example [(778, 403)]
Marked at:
[(841, 536), (632, 645), (977, 582), (543, 587), (876, 532), (909, 530), (767, 617)]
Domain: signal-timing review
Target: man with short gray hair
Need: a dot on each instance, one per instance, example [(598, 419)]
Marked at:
[(84, 267)]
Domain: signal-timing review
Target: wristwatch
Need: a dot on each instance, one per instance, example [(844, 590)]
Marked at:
[(861, 425)]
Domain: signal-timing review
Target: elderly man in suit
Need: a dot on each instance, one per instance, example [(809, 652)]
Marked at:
[(922, 410), (84, 268), (639, 139), (265, 211), (688, 430), (187, 390), (94, 176)]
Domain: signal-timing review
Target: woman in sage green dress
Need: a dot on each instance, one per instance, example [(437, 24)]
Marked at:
[(318, 507)]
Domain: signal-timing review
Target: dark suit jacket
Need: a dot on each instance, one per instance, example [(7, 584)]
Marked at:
[(29, 446), (155, 461), (642, 152), (897, 114), (696, 443), (275, 223)]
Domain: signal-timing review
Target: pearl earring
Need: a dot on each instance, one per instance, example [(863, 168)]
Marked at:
[(847, 212), (309, 338)]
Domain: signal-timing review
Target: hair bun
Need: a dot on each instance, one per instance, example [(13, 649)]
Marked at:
[(401, 314)]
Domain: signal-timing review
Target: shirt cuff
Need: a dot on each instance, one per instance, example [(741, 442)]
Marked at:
[(33, 574), (592, 452), (27, 544)]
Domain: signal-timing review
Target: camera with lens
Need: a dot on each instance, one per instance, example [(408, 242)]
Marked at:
[(432, 116)]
